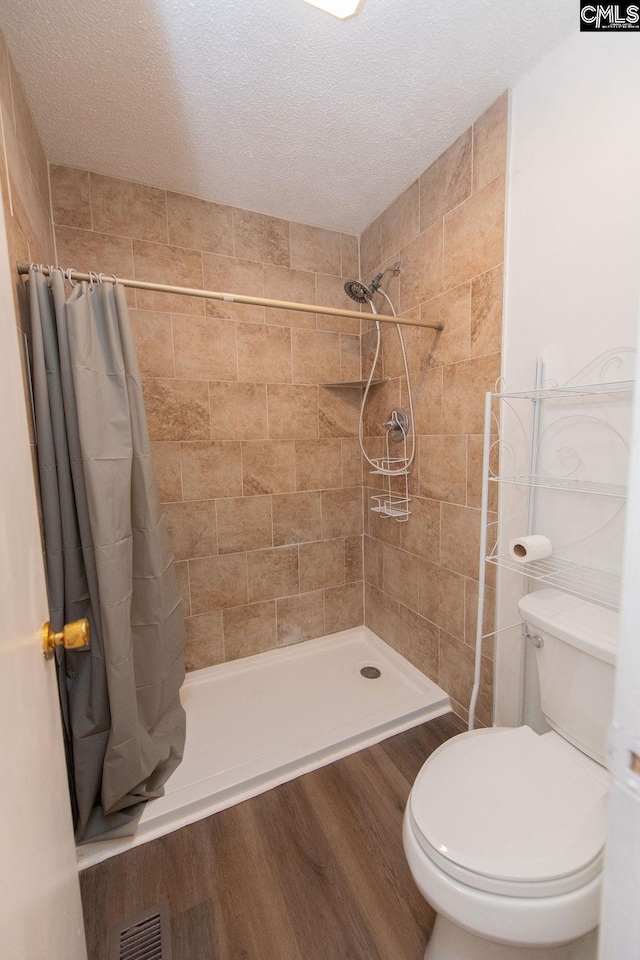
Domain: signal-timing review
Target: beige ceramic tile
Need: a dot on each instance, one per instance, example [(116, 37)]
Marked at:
[(264, 353), (401, 576), (486, 312), (453, 309), (474, 235), (381, 400), (233, 276), (382, 615), (273, 573), (128, 209), (318, 464), (177, 409), (373, 562), (204, 348), (471, 616), (421, 277), (300, 618), (205, 642), (350, 256), (30, 207), (370, 248), (341, 513), (353, 559), (316, 356), (262, 238), (293, 411), (455, 675), (296, 517), (321, 564), (443, 468), (296, 286), (490, 143), (460, 539), (83, 251), (442, 597), (368, 344), (351, 463), (174, 266), (418, 641), (339, 411), (166, 461), (392, 359), (200, 224), (463, 392), (330, 293), (218, 582), (343, 607), (250, 629), (27, 134), (400, 222), (244, 524), (153, 342), (238, 411), (192, 528), (420, 535), (313, 248), (350, 363), (475, 452), (70, 196), (210, 470), (447, 182), (268, 467), (182, 576)]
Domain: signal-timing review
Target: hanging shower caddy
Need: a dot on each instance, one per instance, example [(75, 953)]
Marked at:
[(393, 502)]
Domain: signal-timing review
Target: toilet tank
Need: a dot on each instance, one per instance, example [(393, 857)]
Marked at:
[(576, 665)]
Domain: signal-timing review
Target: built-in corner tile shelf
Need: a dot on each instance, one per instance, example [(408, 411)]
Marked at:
[(355, 383)]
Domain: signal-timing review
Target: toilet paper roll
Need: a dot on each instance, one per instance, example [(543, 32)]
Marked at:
[(534, 547)]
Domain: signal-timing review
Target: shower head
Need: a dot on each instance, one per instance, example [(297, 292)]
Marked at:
[(359, 291), (362, 293)]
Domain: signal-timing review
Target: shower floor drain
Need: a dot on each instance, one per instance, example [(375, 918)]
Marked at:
[(370, 673)]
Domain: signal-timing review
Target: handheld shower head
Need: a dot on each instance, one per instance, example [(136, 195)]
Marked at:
[(362, 293), (359, 291)]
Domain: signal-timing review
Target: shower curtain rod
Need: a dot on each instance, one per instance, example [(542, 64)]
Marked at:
[(232, 297)]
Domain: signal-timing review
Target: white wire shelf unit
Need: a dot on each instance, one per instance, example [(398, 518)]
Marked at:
[(567, 575), (580, 390), (571, 576), (574, 484)]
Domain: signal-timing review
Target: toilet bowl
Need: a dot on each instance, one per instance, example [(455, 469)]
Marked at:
[(504, 829), (515, 858)]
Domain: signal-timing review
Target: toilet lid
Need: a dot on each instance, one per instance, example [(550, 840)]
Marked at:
[(508, 804)]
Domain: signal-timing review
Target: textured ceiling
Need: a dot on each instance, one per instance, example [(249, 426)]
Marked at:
[(271, 104)]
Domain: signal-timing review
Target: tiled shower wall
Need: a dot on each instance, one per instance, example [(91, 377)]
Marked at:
[(25, 186), (258, 466), (447, 229)]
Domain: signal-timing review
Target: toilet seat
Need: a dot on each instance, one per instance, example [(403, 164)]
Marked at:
[(509, 812)]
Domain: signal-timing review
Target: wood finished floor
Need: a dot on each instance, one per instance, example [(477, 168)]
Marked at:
[(312, 870)]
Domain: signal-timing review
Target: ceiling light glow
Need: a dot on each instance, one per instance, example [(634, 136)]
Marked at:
[(343, 9)]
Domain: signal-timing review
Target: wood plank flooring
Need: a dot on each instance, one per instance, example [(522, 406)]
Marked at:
[(312, 870)]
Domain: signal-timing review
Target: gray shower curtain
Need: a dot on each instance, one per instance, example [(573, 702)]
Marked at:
[(107, 554)]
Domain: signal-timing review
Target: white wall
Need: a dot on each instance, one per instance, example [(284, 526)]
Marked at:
[(572, 286)]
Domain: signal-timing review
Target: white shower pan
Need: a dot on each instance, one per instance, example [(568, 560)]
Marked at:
[(260, 721)]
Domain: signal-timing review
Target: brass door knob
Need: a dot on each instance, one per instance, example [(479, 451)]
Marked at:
[(73, 636)]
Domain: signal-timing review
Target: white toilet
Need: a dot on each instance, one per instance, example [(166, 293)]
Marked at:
[(504, 829)]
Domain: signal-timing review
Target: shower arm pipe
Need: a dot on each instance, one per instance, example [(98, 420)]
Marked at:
[(23, 268)]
